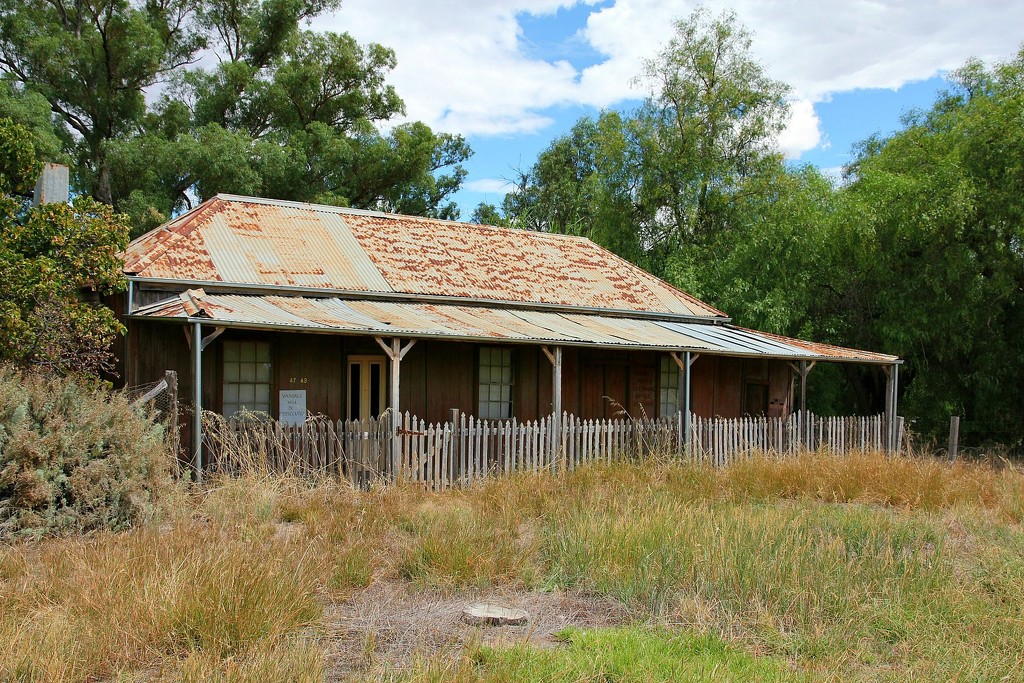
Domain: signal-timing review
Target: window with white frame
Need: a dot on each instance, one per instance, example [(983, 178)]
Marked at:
[(247, 376), (495, 389), (669, 383)]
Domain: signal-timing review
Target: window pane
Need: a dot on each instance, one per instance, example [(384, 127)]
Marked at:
[(247, 372), (263, 372), (494, 394), (669, 380)]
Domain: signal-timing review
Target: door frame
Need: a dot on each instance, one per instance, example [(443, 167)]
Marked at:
[(365, 361)]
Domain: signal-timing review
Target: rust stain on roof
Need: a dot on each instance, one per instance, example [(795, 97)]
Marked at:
[(255, 241), (175, 246), (827, 350), (418, 255)]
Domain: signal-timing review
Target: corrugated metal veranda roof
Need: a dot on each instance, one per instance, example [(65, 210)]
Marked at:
[(480, 323)]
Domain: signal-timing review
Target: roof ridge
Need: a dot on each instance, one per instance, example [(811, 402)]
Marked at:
[(331, 208)]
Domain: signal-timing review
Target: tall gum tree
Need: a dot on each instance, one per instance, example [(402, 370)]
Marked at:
[(660, 185), (270, 109), (715, 115), (92, 60)]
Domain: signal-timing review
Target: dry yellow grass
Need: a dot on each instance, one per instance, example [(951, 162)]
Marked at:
[(854, 567), (867, 477), (81, 608)]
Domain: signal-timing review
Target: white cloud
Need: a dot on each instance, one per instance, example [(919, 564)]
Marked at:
[(489, 186), (462, 66), (803, 130)]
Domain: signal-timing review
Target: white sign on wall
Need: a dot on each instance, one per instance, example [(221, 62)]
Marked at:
[(292, 406)]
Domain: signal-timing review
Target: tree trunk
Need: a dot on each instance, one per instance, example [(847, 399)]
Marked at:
[(100, 186)]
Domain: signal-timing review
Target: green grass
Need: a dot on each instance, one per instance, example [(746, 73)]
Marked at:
[(612, 655)]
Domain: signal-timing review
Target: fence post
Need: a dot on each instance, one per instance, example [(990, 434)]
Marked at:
[(899, 435), (197, 400), (954, 437), (686, 403), (171, 378)]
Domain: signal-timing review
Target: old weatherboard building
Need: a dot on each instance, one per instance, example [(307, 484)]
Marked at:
[(293, 309)]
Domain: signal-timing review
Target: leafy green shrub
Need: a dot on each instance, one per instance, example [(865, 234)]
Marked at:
[(74, 457)]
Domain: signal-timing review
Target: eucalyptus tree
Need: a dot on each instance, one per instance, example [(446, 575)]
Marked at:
[(940, 209), (715, 116), (167, 102), (661, 185), (92, 60)]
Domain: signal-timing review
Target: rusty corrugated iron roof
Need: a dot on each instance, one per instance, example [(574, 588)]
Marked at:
[(466, 323), (826, 351), (245, 240)]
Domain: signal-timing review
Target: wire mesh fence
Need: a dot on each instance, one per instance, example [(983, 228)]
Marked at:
[(160, 398)]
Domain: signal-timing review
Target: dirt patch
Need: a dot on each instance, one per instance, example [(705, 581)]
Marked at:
[(387, 625)]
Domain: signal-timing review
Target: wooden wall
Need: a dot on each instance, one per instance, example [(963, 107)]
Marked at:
[(315, 363), (438, 376), (722, 386)]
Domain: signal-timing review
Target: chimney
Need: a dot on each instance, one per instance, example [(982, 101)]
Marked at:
[(52, 186)]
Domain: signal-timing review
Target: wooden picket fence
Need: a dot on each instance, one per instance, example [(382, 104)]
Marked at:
[(466, 449), (723, 441)]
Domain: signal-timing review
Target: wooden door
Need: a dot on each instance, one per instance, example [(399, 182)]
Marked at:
[(591, 391), (616, 390), (604, 390)]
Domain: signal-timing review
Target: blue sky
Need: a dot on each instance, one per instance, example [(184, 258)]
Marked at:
[(511, 75), (846, 119)]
